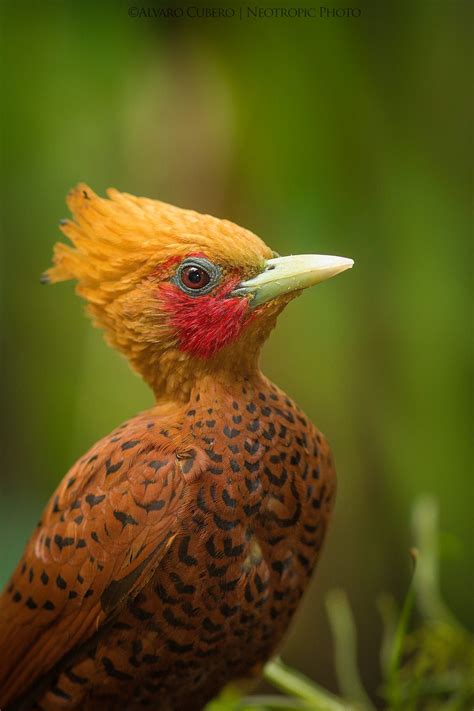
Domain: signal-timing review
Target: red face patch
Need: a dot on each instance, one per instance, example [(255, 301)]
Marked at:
[(204, 324)]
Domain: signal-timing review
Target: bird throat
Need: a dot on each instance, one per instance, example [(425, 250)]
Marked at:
[(175, 375)]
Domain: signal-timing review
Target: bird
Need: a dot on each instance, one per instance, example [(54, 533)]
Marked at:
[(173, 554)]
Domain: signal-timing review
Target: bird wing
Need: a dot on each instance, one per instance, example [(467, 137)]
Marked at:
[(101, 538)]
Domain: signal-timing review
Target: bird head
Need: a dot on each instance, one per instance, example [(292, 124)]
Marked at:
[(182, 295)]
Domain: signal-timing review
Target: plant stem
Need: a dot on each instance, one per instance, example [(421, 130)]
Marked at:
[(426, 579), (344, 633), (291, 682)]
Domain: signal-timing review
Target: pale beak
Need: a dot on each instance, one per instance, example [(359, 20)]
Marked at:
[(283, 275)]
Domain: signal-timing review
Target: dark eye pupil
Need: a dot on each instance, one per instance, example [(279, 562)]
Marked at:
[(195, 275)]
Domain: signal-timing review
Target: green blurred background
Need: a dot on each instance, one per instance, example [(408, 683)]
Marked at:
[(341, 135)]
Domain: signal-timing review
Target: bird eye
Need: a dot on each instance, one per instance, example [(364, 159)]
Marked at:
[(196, 276)]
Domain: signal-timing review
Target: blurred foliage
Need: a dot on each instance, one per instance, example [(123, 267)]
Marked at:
[(427, 668), (344, 136)]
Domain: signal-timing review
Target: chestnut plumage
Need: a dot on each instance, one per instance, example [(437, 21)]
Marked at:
[(173, 554)]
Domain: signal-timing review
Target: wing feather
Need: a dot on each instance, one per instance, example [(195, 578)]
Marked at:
[(101, 538)]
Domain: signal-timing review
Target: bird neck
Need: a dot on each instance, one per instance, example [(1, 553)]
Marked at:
[(175, 376), (179, 378)]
